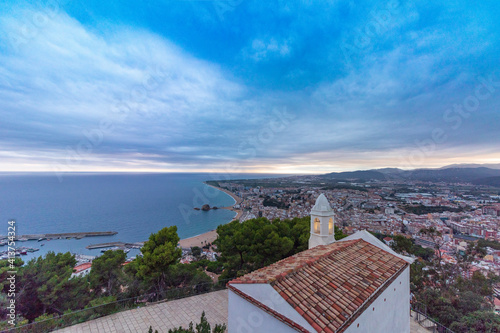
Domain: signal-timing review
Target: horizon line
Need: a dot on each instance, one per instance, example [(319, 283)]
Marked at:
[(302, 173)]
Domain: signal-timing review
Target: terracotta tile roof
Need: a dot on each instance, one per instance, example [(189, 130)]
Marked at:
[(330, 285), (82, 267)]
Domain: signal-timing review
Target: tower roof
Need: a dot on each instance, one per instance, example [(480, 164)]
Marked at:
[(322, 205)]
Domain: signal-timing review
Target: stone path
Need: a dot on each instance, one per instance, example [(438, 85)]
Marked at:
[(162, 317), (168, 315)]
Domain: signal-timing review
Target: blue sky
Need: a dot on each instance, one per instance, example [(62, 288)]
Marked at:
[(248, 86)]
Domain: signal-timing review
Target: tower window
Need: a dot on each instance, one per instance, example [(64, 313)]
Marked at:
[(330, 226), (316, 226)]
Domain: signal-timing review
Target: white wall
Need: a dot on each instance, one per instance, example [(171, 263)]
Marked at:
[(244, 317), (390, 312), (268, 296)]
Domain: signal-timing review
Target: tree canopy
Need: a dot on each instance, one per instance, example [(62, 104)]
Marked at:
[(106, 274), (45, 286), (255, 243), (158, 254)]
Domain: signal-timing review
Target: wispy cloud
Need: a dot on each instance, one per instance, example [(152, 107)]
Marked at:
[(84, 92)]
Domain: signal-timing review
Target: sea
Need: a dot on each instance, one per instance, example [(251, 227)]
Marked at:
[(131, 204)]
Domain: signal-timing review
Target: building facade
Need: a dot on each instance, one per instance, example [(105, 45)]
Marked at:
[(357, 284)]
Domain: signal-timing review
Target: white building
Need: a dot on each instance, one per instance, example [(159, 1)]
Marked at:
[(389, 210), (82, 269), (357, 284)]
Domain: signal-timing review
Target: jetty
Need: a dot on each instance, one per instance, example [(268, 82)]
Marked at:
[(77, 235), (137, 245)]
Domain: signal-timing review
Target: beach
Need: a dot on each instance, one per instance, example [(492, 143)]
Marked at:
[(200, 240), (234, 196)]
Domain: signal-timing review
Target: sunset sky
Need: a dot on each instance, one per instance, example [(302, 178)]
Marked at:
[(248, 86)]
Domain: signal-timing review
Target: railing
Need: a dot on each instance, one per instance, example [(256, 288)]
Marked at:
[(91, 313), (419, 314)]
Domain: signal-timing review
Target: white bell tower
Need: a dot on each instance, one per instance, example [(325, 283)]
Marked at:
[(322, 223)]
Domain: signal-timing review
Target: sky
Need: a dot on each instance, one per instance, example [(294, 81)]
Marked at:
[(248, 86)]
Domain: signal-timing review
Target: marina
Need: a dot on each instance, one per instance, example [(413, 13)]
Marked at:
[(21, 251), (69, 235)]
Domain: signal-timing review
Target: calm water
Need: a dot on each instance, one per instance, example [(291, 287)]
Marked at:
[(134, 205)]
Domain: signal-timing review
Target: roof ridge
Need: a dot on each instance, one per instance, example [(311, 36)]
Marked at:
[(370, 299), (303, 262), (313, 260)]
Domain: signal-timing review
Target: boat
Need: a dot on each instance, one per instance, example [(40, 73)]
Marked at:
[(42, 244), (23, 253), (41, 239)]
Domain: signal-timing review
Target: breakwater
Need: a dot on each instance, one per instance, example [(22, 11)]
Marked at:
[(77, 235), (116, 244)]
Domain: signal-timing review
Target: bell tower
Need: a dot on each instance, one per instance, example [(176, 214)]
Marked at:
[(322, 223)]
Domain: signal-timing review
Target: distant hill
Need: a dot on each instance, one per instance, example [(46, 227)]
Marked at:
[(451, 174), (491, 181), (357, 175), (476, 175), (472, 165)]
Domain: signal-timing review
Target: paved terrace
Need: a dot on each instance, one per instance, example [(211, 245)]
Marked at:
[(169, 315)]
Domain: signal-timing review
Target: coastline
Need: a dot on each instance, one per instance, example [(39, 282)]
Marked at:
[(210, 236), (236, 198)]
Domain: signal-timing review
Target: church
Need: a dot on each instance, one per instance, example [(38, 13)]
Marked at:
[(357, 284)]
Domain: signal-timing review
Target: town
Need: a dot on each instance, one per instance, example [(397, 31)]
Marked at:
[(460, 212)]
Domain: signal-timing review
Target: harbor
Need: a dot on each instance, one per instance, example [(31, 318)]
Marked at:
[(68, 235), (118, 245), (29, 246), (21, 251)]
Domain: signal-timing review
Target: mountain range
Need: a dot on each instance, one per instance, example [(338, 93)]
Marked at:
[(474, 174)]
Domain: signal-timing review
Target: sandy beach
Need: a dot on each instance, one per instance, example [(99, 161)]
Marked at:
[(234, 196), (200, 240)]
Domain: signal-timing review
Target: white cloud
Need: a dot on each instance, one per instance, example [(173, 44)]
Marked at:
[(263, 49), (66, 78)]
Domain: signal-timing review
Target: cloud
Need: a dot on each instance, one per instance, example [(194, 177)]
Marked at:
[(261, 49), (265, 93), (66, 80)]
